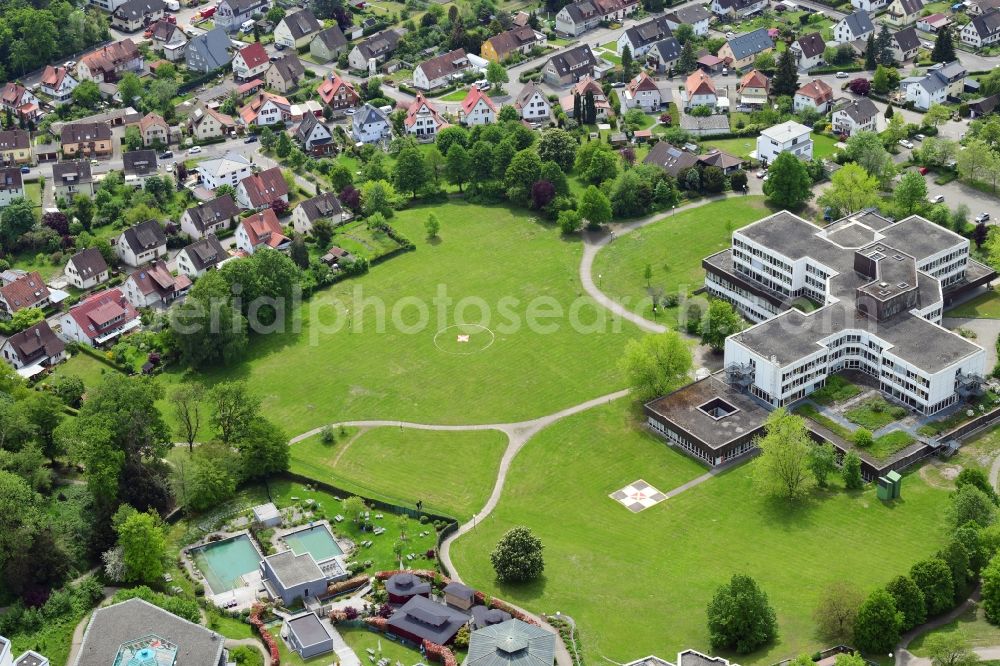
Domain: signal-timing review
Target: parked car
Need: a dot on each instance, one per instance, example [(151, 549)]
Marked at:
[(194, 150), (923, 171), (906, 143), (919, 137), (166, 154), (94, 163), (937, 199), (482, 84), (25, 169), (761, 173), (842, 75), (252, 138), (982, 217)]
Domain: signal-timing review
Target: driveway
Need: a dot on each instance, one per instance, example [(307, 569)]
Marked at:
[(986, 330)]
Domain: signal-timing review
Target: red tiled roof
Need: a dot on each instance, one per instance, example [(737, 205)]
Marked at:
[(754, 79), (149, 120), (250, 112), (699, 83), (263, 228), (418, 103), (816, 89), (26, 291), (331, 86), (53, 77), (264, 187), (473, 98), (96, 311), (642, 82), (254, 55)]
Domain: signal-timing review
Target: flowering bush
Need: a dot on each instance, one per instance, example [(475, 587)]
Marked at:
[(379, 623), (336, 588), (269, 641), (439, 653)]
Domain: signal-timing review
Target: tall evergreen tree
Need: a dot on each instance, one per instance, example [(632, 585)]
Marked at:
[(577, 108), (883, 47), (589, 108), (870, 62), (626, 63), (944, 46), (786, 78), (688, 60)]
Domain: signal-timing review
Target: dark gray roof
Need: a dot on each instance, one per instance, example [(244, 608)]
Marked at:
[(213, 212), (811, 45), (10, 178), (911, 6), (112, 626), (527, 92), (484, 617), (369, 114), (302, 23), (16, 138), (292, 569), (906, 39), (309, 629), (35, 343), (322, 206), (750, 43), (206, 252), (333, 37), (860, 110), (695, 658), (290, 67), (859, 23), (77, 132), (583, 10), (407, 584), (139, 162), (428, 620), (212, 48), (511, 643), (985, 105), (668, 49), (379, 44), (690, 14), (137, 9), (305, 128), (71, 172), (459, 590), (646, 33), (671, 159), (577, 61), (144, 236), (89, 263), (987, 24)]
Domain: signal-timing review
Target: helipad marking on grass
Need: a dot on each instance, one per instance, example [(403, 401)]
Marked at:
[(638, 496), (469, 339)]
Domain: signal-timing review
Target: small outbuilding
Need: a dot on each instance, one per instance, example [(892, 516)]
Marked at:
[(307, 635), (459, 596), (485, 617), (267, 515), (511, 643), (421, 619), (289, 576), (404, 586)]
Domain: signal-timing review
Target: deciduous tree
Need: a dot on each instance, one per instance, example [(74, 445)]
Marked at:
[(788, 184), (837, 610), (518, 557), (740, 616), (852, 189), (878, 623), (656, 364), (909, 601)]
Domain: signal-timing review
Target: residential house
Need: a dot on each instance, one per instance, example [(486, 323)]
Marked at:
[(71, 178), (22, 290), (141, 244), (250, 62), (853, 116), (602, 105), (403, 586), (15, 146), (137, 632), (699, 90), (261, 189), (134, 15), (982, 30), (201, 256), (976, 7), (753, 89), (29, 352), (642, 93), (265, 109), (170, 39), (816, 95), (86, 139), (735, 9), (208, 52), (940, 82), (86, 269), (328, 44), (107, 63), (410, 621), (518, 40), (695, 16), (641, 37), (905, 44), (570, 66), (138, 165), (285, 73), (208, 123), (423, 120), (715, 157), (788, 137), (808, 50), (441, 70), (337, 93), (664, 54), (869, 6), (58, 84), (11, 186), (154, 130), (154, 286), (261, 229), (307, 635), (477, 108), (578, 17), (853, 27), (211, 217), (19, 101), (532, 103), (903, 12), (232, 14), (374, 50), (323, 206), (702, 126), (315, 137), (671, 159), (296, 30), (96, 320), (933, 22), (981, 107), (741, 51), (370, 125)]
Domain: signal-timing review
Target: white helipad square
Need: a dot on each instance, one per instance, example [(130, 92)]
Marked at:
[(637, 496)]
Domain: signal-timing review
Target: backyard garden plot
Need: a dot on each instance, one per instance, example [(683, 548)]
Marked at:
[(366, 347), (451, 472), (659, 568)]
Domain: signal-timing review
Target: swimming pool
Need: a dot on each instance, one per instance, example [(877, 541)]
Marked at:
[(223, 562), (316, 540)]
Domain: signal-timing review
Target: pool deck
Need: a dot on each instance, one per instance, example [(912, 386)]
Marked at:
[(346, 545), (244, 596)]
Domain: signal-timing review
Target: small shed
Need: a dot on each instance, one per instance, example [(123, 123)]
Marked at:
[(404, 586), (459, 596), (267, 515), (308, 635)]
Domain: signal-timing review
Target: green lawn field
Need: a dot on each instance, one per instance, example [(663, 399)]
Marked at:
[(674, 248), (984, 306), (972, 624), (451, 472), (392, 355), (657, 570), (823, 146)]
